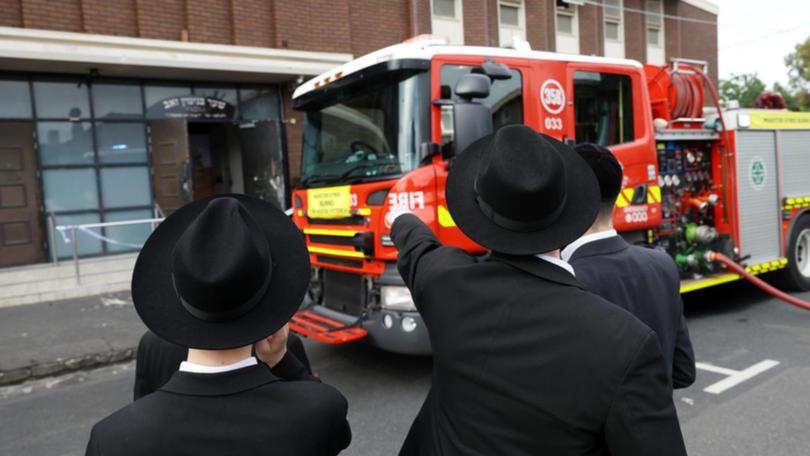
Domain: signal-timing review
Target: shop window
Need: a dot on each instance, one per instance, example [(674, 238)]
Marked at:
[(505, 99), (70, 189), (117, 101), (125, 186), (121, 142), (603, 105), (62, 100), (87, 245), (154, 94), (226, 94), (259, 103), (65, 143), (127, 236), (16, 100)]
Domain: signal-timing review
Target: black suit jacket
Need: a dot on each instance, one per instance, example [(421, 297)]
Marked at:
[(157, 360), (528, 363), (646, 283), (250, 411)]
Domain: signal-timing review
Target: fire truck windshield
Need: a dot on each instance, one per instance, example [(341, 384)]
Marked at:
[(366, 131)]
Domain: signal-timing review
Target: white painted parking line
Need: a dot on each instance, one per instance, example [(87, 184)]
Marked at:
[(734, 377)]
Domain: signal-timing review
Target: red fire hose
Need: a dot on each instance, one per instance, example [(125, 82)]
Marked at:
[(720, 258)]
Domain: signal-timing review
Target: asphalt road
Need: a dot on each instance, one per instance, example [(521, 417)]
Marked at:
[(738, 333)]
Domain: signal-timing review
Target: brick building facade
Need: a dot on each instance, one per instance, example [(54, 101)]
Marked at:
[(254, 53)]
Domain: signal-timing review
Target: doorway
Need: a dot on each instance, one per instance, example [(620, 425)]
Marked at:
[(21, 236), (196, 159)]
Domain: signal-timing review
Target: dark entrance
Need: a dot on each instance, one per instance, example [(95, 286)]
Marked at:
[(196, 159), (21, 237)]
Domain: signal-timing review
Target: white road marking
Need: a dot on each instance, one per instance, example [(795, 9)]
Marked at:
[(734, 377)]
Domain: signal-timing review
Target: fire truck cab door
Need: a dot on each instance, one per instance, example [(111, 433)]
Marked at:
[(609, 107)]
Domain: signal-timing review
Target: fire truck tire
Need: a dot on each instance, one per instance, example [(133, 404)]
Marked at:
[(797, 274)]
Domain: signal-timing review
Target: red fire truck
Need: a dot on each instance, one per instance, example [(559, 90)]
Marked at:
[(382, 131)]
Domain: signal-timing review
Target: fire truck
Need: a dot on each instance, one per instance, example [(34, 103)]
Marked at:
[(382, 130)]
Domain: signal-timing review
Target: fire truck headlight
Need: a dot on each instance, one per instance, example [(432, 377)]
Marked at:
[(408, 324), (397, 298)]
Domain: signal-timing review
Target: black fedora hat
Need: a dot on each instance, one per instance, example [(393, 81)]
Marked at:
[(221, 272), (605, 167), (520, 192)]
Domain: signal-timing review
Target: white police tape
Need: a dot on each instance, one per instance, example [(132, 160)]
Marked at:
[(63, 228)]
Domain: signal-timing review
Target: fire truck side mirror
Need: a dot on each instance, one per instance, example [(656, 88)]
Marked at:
[(471, 120)]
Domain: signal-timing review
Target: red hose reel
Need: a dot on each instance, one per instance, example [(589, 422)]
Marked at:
[(676, 91)]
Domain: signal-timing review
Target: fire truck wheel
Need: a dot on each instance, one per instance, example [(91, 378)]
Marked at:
[(797, 274)]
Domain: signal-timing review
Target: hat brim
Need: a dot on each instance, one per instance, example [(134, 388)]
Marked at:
[(160, 309), (578, 214)]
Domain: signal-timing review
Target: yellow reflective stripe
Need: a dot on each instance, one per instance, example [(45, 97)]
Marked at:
[(335, 252), (653, 194), (364, 211), (325, 232), (710, 282), (445, 219), (624, 198), (300, 213)]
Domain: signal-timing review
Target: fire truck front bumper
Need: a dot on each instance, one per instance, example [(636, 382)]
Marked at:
[(395, 331)]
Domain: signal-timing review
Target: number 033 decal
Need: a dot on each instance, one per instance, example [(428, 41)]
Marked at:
[(554, 123)]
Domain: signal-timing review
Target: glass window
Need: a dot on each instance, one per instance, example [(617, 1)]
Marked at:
[(121, 142), (446, 8), (654, 13), (70, 189), (259, 103), (505, 99), (612, 31), (155, 94), (117, 101), (653, 37), (87, 244), (510, 15), (65, 143), (226, 94), (16, 100), (65, 100), (565, 23), (125, 186), (613, 10), (368, 132), (603, 105), (129, 237)]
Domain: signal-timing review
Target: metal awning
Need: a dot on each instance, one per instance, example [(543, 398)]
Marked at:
[(69, 52)]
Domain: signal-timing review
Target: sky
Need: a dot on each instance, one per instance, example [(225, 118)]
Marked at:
[(756, 35)]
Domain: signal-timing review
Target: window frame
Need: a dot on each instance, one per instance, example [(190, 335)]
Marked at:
[(636, 115), (618, 20), (454, 17), (658, 27)]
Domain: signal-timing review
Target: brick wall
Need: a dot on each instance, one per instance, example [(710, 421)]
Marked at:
[(692, 40), (635, 35), (109, 17), (480, 22), (591, 35), (540, 24)]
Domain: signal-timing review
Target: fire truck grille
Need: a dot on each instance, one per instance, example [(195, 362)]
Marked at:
[(343, 292), (353, 220)]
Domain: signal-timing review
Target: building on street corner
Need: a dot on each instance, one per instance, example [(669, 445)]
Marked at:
[(116, 110)]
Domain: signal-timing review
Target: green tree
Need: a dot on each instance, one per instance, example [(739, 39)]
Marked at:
[(743, 87), (798, 63), (790, 98)]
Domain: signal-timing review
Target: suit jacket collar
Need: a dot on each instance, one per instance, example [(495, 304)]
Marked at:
[(537, 267), (605, 246), (221, 384)]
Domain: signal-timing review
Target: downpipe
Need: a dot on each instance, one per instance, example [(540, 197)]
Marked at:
[(761, 284)]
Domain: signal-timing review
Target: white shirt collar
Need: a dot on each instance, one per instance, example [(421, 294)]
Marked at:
[(568, 252), (195, 368), (557, 262)]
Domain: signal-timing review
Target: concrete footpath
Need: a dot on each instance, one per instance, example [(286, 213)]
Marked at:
[(51, 338)]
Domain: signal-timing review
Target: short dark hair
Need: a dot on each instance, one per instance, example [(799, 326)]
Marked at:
[(607, 169)]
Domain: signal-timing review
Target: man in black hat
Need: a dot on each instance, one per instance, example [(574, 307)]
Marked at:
[(643, 281), (525, 361), (218, 276)]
